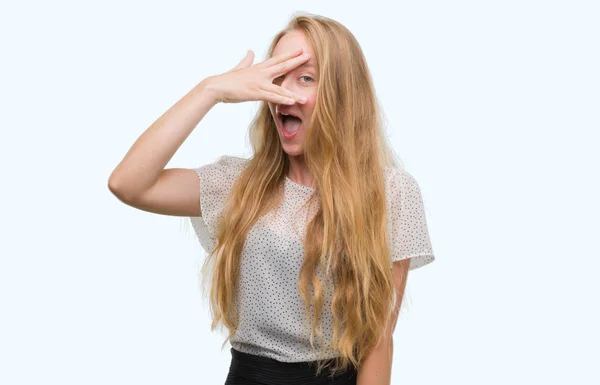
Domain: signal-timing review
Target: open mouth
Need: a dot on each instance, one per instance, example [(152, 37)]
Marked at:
[(290, 124)]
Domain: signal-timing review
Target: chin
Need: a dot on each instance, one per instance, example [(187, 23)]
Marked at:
[(293, 150)]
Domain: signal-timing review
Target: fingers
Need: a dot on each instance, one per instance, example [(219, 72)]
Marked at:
[(276, 98), (280, 58), (246, 61), (288, 65), (275, 89)]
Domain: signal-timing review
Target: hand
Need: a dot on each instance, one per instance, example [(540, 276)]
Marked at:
[(246, 82)]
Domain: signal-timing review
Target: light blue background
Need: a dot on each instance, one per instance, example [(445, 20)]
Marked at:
[(493, 106)]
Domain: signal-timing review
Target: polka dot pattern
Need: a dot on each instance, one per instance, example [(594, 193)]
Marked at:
[(270, 308), (408, 233)]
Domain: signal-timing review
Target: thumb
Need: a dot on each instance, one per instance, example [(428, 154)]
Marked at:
[(246, 61)]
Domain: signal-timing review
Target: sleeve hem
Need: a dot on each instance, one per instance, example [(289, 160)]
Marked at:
[(416, 260)]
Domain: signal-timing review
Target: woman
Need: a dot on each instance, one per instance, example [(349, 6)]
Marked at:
[(309, 241)]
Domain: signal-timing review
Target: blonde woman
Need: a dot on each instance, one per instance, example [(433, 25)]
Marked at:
[(310, 240)]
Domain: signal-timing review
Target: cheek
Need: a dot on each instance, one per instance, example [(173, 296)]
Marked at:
[(311, 98), (309, 106)]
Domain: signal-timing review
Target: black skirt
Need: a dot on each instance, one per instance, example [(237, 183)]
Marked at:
[(250, 369)]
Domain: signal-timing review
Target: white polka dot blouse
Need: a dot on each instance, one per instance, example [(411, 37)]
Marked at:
[(270, 308)]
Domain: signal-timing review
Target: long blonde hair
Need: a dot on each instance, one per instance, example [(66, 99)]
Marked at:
[(346, 151)]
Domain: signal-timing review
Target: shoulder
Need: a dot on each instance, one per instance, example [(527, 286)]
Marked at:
[(399, 179), (403, 191), (229, 161), (223, 166), (233, 160), (219, 176)]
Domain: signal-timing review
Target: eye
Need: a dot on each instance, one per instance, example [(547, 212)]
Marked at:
[(306, 76)]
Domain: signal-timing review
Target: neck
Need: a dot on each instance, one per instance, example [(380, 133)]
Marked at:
[(298, 172)]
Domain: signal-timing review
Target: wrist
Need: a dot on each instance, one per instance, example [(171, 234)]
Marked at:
[(206, 87)]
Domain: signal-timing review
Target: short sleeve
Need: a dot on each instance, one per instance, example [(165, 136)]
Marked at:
[(216, 180), (407, 226)]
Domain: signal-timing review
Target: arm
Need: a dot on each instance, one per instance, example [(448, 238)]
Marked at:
[(377, 366), (140, 178)]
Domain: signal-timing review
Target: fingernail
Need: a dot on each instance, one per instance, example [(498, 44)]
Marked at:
[(303, 99)]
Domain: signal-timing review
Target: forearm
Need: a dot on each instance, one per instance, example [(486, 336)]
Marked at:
[(148, 156), (377, 366)]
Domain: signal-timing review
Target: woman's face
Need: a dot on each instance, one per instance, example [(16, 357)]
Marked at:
[(301, 80)]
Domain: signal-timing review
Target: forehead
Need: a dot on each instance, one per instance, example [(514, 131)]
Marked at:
[(291, 41)]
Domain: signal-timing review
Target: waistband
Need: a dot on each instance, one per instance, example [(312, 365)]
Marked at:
[(266, 370)]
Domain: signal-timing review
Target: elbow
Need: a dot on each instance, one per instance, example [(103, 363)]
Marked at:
[(118, 189)]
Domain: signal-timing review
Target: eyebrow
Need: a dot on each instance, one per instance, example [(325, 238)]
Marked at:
[(308, 64)]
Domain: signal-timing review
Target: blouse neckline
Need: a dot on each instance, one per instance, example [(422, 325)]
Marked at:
[(307, 188)]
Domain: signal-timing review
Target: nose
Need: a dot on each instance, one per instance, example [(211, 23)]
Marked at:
[(287, 82)]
